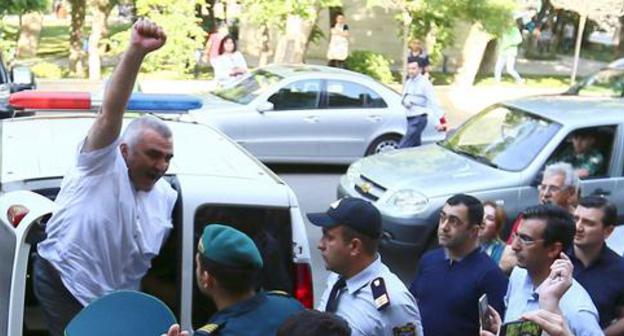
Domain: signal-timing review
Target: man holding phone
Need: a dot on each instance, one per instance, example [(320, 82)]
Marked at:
[(544, 232), (596, 266)]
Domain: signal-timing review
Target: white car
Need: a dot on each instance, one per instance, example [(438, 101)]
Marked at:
[(309, 114), (222, 184)]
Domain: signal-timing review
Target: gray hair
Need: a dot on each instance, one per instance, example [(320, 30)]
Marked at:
[(135, 128), (570, 177)]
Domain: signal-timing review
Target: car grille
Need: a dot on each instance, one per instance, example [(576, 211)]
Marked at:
[(369, 189)]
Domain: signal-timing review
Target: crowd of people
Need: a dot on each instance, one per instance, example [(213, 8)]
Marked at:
[(555, 269)]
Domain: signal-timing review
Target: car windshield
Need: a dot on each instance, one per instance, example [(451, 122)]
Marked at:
[(502, 137), (248, 88), (606, 83)]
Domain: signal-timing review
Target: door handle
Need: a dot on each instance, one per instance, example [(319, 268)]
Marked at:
[(374, 118), (601, 192), (311, 119)]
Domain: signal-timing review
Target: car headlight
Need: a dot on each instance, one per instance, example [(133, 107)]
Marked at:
[(408, 202), (353, 173)]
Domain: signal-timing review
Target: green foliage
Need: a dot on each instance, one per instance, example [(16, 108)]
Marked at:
[(441, 16), (47, 70), (273, 13), (370, 63), (184, 35), (20, 7)]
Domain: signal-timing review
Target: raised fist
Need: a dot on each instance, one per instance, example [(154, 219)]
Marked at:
[(147, 36)]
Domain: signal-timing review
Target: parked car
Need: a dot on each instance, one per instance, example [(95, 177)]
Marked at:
[(18, 78), (498, 154), (37, 151), (308, 113), (608, 82)]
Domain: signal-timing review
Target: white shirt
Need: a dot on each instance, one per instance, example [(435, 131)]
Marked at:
[(419, 98), (357, 304), (576, 304), (223, 65), (105, 234)]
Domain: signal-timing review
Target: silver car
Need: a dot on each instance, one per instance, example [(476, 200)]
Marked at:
[(496, 155), (309, 114)]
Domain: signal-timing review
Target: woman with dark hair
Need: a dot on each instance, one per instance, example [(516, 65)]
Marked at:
[(230, 63), (493, 221), (338, 48)]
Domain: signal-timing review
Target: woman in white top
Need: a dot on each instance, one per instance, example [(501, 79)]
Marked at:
[(230, 63), (338, 48)]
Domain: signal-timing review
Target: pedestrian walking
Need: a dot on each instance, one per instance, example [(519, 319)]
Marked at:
[(420, 104), (338, 49)]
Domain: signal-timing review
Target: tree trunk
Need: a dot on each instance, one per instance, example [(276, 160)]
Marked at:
[(407, 22), (265, 51), (78, 8), (472, 55), (28, 40), (577, 49), (291, 46), (101, 9), (620, 48)]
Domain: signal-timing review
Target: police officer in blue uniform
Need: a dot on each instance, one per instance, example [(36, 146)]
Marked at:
[(228, 264), (361, 289)]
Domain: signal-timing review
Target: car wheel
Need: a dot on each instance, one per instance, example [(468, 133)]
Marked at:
[(384, 143)]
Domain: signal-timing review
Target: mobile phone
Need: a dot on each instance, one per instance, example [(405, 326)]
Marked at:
[(520, 328), (484, 316)]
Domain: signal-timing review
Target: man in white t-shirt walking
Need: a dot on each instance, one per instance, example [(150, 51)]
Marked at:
[(114, 208)]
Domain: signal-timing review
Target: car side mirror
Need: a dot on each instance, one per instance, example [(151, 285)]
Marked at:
[(22, 78), (537, 180), (264, 107)]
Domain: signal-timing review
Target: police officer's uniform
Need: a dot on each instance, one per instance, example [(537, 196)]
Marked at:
[(259, 315), (375, 302)]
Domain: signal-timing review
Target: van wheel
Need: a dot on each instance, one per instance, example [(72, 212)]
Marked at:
[(384, 143)]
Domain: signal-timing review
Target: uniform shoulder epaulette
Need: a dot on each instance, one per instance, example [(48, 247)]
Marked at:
[(208, 329), (279, 293), (380, 293)]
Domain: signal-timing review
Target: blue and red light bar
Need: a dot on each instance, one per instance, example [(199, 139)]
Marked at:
[(53, 100)]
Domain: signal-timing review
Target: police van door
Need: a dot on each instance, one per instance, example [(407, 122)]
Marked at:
[(21, 213)]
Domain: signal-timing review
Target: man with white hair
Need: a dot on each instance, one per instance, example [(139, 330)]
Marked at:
[(560, 186), (114, 208)]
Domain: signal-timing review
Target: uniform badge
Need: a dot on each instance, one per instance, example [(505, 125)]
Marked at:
[(380, 294), (208, 329), (335, 204), (406, 330)]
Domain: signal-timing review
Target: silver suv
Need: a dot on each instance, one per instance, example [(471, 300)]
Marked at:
[(496, 155)]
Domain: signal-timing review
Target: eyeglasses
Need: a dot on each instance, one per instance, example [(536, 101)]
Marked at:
[(552, 188), (452, 220), (524, 239)]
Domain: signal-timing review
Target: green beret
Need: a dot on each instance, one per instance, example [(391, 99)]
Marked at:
[(226, 245)]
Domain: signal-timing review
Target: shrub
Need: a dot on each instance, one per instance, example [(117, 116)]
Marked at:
[(47, 70), (370, 63)]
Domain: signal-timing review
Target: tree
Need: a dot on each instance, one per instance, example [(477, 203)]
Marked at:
[(184, 34), (101, 11), (30, 21), (294, 19), (601, 11), (76, 62)]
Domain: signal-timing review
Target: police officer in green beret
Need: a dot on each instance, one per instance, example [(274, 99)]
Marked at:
[(228, 262)]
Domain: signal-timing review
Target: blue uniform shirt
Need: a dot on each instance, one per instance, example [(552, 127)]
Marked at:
[(448, 291), (576, 305), (260, 315), (604, 281), (358, 307)]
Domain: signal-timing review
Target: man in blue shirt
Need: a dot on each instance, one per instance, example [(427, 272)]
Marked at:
[(544, 232), (596, 266), (420, 104), (451, 279)]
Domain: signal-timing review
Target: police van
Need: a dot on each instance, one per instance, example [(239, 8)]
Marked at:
[(216, 179)]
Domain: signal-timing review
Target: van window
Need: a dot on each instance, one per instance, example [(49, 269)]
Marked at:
[(270, 228)]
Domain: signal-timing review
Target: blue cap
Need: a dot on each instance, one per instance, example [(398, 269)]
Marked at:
[(358, 214), (228, 246)]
